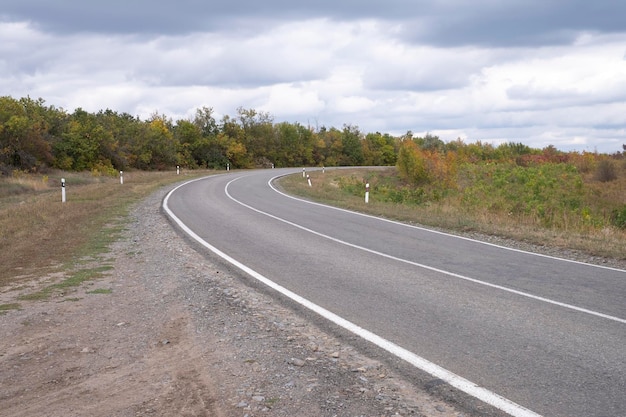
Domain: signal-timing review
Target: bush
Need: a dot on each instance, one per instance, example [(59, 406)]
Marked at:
[(606, 171), (404, 195), (618, 218)]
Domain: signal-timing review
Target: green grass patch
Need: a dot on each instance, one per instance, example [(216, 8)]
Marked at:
[(101, 291), (81, 276), (4, 308), (102, 239), (271, 402), (76, 279), (40, 295)]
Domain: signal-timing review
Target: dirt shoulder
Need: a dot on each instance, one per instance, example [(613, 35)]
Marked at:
[(171, 331)]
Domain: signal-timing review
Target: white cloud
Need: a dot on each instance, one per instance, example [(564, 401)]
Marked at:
[(352, 104), (293, 100)]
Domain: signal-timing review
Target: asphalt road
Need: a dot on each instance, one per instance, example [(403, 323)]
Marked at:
[(546, 334)]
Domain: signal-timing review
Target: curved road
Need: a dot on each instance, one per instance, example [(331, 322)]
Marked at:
[(526, 333)]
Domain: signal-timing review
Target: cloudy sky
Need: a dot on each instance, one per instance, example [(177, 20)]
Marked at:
[(540, 72)]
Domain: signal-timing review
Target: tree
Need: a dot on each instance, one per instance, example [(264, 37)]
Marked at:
[(330, 146), (379, 150), (24, 134), (294, 145), (233, 133), (352, 147), (79, 147), (430, 142), (509, 151), (258, 131), (205, 122), (188, 135), (161, 144), (113, 148), (237, 154), (412, 163)]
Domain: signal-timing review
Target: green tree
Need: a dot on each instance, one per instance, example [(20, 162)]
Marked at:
[(330, 146), (205, 121), (24, 134), (236, 153), (79, 147), (379, 150), (510, 151), (411, 164), (352, 148), (430, 142), (234, 133), (258, 128), (188, 135), (294, 145), (160, 144), (124, 129)]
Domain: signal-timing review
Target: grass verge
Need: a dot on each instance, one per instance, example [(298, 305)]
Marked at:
[(75, 280), (335, 187), (7, 307), (41, 235)]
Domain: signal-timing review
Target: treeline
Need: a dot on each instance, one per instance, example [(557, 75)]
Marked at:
[(35, 136)]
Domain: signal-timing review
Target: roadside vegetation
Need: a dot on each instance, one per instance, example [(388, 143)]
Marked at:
[(7, 307), (42, 236), (566, 200)]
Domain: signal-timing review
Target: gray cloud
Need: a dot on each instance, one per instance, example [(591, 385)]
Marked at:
[(449, 23), (517, 23)]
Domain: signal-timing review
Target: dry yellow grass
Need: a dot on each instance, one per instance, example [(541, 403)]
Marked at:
[(39, 234)]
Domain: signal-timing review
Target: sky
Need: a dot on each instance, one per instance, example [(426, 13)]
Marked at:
[(539, 72)]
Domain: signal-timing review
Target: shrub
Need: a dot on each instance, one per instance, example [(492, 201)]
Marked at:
[(426, 167), (618, 218), (606, 171)]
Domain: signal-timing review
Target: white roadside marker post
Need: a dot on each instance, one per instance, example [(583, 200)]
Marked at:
[(121, 177), (367, 193), (228, 166), (303, 172), (63, 190), (177, 169), (308, 178)]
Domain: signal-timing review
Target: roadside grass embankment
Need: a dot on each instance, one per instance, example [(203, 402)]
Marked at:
[(65, 244), (551, 205)]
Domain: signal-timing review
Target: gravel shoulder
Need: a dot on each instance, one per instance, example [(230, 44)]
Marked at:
[(171, 330)]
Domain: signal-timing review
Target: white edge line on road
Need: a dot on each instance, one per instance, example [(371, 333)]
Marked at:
[(436, 371)]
